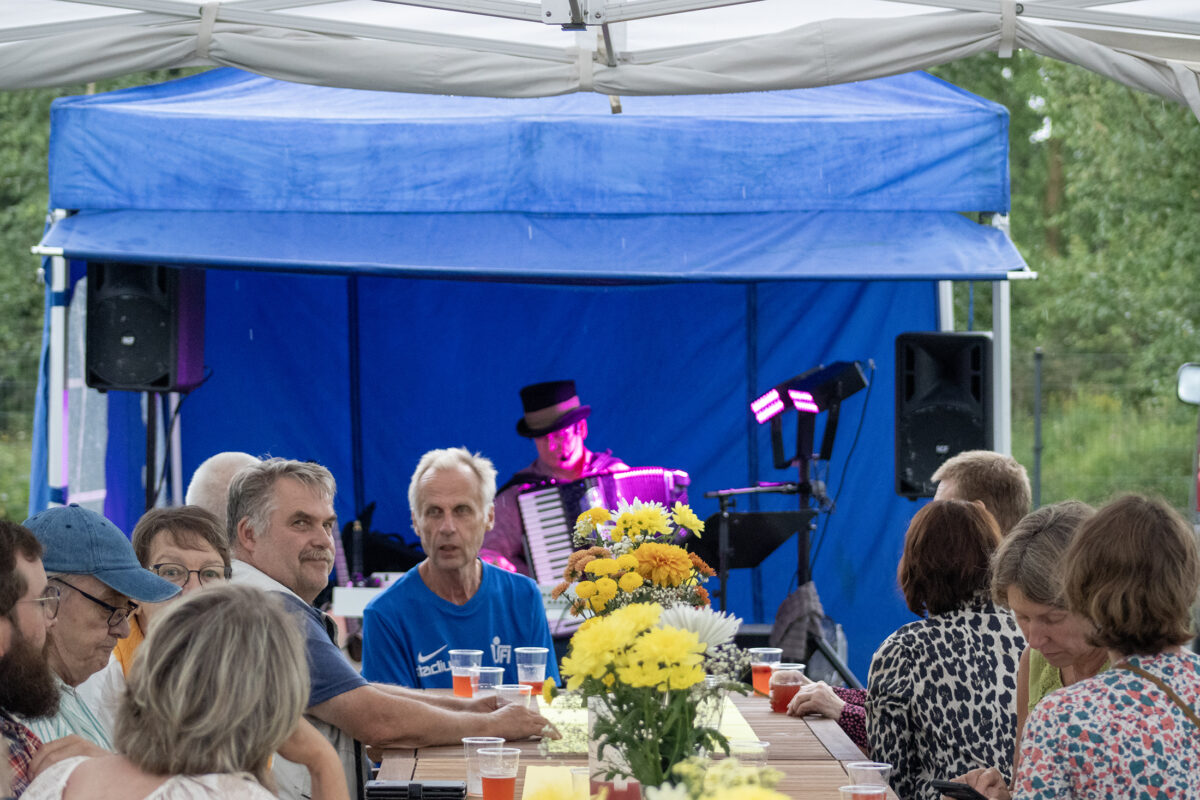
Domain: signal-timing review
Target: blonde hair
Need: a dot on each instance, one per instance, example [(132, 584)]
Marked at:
[(454, 458), (1031, 556), (1133, 571), (997, 480), (218, 685)]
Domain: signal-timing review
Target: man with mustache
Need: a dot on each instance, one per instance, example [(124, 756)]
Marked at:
[(281, 526), (100, 581)]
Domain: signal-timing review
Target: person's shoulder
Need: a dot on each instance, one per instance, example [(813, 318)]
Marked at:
[(226, 786), (510, 581), (50, 784)]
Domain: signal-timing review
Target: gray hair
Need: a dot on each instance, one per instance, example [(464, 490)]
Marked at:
[(218, 685), (209, 487), (455, 458), (1031, 557), (252, 495)]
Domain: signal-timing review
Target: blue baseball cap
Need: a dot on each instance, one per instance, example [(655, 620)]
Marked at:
[(81, 542)]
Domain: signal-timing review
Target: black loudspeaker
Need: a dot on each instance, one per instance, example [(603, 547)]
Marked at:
[(943, 403), (145, 327)]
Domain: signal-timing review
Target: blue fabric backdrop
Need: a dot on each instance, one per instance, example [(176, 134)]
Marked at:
[(397, 339)]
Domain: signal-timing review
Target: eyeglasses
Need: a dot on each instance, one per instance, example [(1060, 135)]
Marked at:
[(48, 601), (178, 574), (115, 615)]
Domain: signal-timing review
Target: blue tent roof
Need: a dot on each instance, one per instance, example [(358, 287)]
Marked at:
[(763, 186)]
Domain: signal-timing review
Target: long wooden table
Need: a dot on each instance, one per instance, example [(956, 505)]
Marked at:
[(811, 752)]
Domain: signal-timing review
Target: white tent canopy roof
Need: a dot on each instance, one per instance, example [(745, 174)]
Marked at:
[(518, 48)]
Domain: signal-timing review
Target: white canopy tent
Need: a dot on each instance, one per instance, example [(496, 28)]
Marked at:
[(518, 48)]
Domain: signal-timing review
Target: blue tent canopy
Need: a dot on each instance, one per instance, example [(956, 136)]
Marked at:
[(391, 268)]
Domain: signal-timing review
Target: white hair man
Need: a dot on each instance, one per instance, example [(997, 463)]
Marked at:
[(281, 524), (464, 603), (209, 487)]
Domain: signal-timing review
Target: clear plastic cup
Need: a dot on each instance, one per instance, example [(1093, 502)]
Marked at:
[(761, 659), (486, 679), (531, 666), (461, 663), (750, 752), (862, 792), (518, 693), (786, 679), (498, 768), (471, 746), (869, 773)]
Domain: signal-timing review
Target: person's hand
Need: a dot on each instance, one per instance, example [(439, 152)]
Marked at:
[(816, 698), (988, 782), (513, 721), (308, 747), (58, 750)]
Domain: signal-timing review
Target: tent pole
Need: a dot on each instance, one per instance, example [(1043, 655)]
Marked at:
[(945, 306), (56, 414), (1002, 367)]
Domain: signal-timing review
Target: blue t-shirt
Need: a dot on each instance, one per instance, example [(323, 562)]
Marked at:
[(408, 630), (330, 673)]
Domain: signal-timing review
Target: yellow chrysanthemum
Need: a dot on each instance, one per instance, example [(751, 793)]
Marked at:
[(596, 515), (602, 566), (663, 564), (606, 589), (664, 658), (587, 623), (627, 561), (626, 525), (630, 581), (585, 589), (598, 602), (549, 690), (684, 517)]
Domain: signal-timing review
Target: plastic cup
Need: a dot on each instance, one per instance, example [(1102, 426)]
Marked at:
[(750, 752), (485, 679), (471, 746), (862, 792), (786, 679), (531, 666), (461, 662), (498, 772), (581, 788), (518, 693), (617, 789), (869, 773), (761, 659)]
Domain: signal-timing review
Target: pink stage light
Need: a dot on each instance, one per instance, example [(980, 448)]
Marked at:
[(803, 401), (767, 406)]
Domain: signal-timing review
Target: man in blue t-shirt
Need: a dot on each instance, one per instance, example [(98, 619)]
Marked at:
[(452, 599), (281, 523)]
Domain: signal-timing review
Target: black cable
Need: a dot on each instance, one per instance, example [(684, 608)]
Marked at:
[(862, 417), (162, 475)]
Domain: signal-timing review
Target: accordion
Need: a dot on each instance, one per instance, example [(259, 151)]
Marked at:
[(548, 512)]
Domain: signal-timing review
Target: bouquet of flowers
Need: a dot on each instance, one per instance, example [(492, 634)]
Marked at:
[(632, 555), (696, 779), (641, 678)]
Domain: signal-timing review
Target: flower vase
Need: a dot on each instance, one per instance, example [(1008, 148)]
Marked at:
[(618, 787)]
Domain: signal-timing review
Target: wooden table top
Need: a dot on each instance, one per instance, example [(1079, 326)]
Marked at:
[(810, 752)]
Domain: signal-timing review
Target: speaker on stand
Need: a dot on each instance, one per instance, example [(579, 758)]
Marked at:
[(943, 403), (145, 333)]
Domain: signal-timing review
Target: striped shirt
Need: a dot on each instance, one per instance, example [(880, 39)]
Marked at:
[(73, 717)]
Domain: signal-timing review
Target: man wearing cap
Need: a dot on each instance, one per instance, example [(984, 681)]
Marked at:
[(98, 576), (557, 422)]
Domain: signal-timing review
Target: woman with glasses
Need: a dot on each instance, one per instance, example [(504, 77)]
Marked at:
[(183, 545), (218, 686)]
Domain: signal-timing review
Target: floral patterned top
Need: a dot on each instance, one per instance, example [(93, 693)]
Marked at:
[(942, 696), (1115, 735)]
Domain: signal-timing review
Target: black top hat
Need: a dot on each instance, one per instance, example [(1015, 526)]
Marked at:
[(549, 407)]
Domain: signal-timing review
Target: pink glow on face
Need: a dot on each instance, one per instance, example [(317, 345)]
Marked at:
[(767, 406), (803, 401)]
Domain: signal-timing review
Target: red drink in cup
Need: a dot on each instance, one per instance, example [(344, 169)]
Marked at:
[(781, 697), (495, 788), (760, 676), (535, 687), (462, 686), (785, 681)]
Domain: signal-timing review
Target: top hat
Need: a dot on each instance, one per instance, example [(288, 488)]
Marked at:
[(549, 407), (78, 541)]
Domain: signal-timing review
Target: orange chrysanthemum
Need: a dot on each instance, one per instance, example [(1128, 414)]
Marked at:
[(702, 594), (701, 567), (558, 590)]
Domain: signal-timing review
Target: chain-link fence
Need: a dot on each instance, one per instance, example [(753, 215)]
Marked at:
[(1101, 433)]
